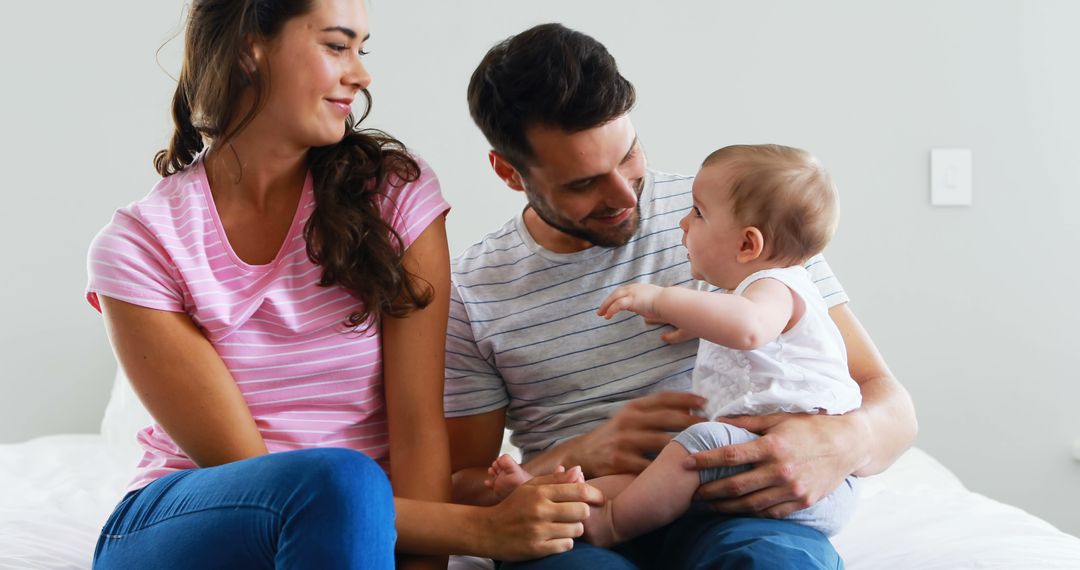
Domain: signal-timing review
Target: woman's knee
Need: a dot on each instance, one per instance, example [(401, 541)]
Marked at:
[(342, 484), (345, 473), (341, 509)]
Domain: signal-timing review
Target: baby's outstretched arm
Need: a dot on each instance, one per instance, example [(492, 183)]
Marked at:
[(743, 322)]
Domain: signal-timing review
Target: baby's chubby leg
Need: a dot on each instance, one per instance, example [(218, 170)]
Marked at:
[(656, 497), (664, 490)]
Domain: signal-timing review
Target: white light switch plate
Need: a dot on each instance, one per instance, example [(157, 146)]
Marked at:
[(950, 176)]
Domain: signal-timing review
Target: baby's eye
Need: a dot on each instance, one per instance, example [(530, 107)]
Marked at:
[(697, 212)]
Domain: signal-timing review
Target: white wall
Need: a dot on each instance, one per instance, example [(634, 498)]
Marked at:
[(972, 307)]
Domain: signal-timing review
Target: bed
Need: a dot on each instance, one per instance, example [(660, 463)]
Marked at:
[(56, 491)]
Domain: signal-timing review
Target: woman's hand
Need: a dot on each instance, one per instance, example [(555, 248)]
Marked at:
[(540, 518)]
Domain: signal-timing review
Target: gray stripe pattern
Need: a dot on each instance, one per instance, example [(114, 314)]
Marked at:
[(524, 334)]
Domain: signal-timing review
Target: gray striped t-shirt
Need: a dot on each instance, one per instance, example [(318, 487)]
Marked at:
[(524, 333)]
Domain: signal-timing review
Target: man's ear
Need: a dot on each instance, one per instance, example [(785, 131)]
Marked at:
[(752, 245), (506, 171)]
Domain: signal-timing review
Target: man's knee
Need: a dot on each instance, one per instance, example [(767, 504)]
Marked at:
[(751, 543), (584, 556)]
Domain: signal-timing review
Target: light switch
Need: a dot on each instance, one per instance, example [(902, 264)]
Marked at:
[(950, 176)]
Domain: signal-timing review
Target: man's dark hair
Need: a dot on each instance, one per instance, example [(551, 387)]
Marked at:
[(547, 75)]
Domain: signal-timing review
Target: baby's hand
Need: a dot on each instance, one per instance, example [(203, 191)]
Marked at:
[(637, 297)]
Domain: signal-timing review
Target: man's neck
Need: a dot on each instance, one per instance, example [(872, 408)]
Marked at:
[(550, 238)]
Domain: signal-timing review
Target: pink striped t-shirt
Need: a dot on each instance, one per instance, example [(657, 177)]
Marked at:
[(307, 383)]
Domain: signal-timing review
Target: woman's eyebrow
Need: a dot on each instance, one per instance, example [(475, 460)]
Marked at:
[(347, 31)]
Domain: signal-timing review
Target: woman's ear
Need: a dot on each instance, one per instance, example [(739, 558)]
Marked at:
[(752, 245), (254, 52), (506, 171)]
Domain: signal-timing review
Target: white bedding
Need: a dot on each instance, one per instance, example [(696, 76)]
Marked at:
[(56, 491)]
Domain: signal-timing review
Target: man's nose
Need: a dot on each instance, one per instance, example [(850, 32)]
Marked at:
[(619, 192)]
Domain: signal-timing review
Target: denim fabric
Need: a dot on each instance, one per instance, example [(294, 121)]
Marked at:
[(704, 541), (319, 508)]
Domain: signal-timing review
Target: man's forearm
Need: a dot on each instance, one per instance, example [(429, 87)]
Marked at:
[(889, 424), (562, 454), (469, 488), (885, 425)]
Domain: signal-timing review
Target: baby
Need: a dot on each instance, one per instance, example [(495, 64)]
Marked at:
[(767, 342)]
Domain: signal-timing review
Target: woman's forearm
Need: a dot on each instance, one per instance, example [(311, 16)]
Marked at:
[(420, 463), (428, 528), (420, 470)]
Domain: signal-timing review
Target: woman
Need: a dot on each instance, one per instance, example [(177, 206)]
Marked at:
[(279, 302)]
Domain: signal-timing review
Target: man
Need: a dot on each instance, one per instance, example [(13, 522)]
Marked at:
[(525, 349)]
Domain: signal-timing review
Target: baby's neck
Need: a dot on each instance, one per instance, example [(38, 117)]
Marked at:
[(748, 269)]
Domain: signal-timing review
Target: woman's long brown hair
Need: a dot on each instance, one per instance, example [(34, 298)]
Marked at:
[(346, 234)]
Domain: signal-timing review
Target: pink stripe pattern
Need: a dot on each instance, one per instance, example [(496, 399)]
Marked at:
[(307, 380)]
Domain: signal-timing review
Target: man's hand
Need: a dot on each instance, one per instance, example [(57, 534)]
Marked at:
[(798, 460), (636, 297), (640, 427)]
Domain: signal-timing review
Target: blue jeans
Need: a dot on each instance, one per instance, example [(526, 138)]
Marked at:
[(704, 540), (316, 508)]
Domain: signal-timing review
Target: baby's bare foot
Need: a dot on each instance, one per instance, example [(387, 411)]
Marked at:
[(507, 476)]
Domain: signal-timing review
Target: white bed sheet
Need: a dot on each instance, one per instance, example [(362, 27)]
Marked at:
[(56, 491), (55, 494)]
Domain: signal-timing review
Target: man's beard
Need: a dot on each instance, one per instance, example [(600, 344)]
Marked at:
[(618, 236)]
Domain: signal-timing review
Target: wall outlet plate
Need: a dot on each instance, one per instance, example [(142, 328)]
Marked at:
[(950, 176)]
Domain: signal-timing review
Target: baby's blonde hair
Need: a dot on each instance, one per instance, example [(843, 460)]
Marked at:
[(785, 193)]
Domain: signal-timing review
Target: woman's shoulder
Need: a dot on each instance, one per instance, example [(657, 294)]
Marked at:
[(171, 213), (174, 201), (177, 196), (406, 181), (410, 203), (133, 258)]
